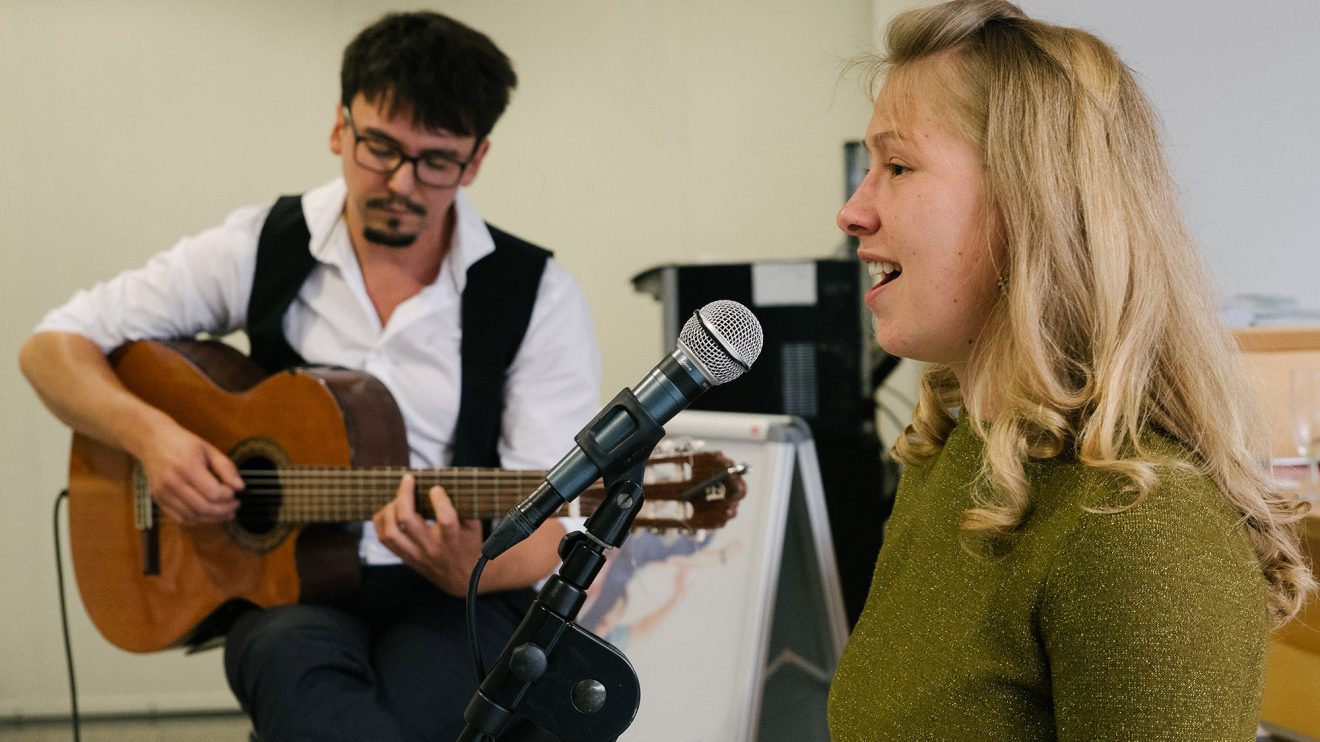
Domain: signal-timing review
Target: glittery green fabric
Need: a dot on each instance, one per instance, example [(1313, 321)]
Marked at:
[(1149, 624)]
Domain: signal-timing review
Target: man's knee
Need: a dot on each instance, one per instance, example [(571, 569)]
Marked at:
[(290, 641)]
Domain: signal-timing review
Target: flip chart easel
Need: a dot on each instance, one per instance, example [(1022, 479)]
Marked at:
[(734, 632)]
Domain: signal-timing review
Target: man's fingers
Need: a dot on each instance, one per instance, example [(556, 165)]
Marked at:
[(209, 498), (190, 507), (224, 469), (396, 522), (405, 499), (445, 514)]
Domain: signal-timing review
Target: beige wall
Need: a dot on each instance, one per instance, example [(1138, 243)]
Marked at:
[(643, 133)]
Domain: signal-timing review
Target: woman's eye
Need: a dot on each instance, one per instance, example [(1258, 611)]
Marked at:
[(896, 169)]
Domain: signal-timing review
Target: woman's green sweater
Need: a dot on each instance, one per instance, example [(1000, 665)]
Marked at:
[(1149, 624)]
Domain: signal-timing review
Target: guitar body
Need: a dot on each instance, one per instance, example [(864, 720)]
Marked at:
[(317, 448), (172, 585)]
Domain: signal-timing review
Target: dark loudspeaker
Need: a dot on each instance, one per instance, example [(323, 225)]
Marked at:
[(818, 363), (818, 352)]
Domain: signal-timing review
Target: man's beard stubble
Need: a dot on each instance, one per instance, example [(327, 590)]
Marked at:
[(392, 238), (388, 239)]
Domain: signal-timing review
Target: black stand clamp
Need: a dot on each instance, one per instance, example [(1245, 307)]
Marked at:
[(553, 673)]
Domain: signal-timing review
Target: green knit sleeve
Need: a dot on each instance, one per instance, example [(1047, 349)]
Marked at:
[(1154, 623)]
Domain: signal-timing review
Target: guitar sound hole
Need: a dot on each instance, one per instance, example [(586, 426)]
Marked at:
[(259, 502)]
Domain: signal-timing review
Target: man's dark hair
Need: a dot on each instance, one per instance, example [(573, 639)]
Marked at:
[(452, 77)]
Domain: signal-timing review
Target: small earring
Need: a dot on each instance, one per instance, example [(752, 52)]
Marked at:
[(1002, 283)]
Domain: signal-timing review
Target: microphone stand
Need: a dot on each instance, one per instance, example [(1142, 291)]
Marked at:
[(552, 672)]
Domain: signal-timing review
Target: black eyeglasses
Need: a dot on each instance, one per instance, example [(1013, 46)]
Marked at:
[(381, 155)]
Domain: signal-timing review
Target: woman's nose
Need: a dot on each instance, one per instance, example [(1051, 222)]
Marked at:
[(859, 215)]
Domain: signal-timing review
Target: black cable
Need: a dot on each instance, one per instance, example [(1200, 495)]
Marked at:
[(472, 617), (64, 620)]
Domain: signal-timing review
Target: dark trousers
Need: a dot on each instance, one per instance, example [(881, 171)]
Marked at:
[(396, 665)]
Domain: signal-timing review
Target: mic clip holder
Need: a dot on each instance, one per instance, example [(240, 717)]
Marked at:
[(616, 441), (553, 672), (618, 444)]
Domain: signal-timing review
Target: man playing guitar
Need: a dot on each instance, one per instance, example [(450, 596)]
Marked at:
[(388, 270)]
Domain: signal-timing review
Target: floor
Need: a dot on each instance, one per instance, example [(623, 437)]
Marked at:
[(200, 728)]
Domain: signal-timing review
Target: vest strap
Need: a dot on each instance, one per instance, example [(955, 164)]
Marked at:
[(284, 260), (497, 308)]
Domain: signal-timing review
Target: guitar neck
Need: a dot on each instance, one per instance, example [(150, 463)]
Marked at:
[(333, 494)]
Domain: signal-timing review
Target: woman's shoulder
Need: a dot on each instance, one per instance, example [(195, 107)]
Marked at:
[(1179, 482), (1162, 592), (1184, 516)]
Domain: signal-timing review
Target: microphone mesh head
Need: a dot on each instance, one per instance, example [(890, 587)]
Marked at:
[(724, 338)]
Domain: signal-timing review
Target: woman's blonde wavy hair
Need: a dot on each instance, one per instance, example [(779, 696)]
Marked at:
[(1105, 329)]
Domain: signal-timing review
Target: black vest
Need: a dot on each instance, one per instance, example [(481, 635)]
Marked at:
[(496, 309)]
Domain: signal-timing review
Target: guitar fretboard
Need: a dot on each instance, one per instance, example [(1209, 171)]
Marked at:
[(331, 494), (297, 495)]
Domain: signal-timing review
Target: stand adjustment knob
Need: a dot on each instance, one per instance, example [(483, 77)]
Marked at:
[(527, 662), (588, 696)]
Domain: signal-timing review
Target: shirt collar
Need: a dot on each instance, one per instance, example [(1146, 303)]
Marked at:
[(471, 241)]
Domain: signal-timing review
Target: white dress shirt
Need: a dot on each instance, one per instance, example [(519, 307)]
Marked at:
[(202, 284)]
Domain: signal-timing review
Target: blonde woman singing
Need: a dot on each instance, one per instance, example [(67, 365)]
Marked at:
[(1085, 544)]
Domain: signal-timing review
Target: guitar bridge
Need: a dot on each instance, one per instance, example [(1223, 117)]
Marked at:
[(144, 517)]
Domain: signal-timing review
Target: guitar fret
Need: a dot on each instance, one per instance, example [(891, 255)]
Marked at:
[(476, 494)]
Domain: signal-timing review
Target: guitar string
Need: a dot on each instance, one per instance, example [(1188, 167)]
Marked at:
[(340, 487), (353, 490), (298, 513), (332, 479), (353, 475), (272, 493), (286, 501), (293, 500), (472, 472)]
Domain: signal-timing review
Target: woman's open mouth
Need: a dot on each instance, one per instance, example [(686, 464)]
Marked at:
[(883, 272)]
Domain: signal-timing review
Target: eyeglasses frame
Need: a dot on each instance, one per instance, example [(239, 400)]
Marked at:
[(358, 139)]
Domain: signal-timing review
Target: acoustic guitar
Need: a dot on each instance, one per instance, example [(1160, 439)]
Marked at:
[(317, 448)]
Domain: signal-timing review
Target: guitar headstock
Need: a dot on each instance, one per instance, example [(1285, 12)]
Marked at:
[(691, 491)]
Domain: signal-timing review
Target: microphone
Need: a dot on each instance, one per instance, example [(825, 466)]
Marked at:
[(718, 344)]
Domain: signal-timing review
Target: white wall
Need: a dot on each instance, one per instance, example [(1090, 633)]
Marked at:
[(642, 133), (1238, 86)]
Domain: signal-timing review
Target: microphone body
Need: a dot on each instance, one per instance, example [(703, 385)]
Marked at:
[(718, 344), (669, 388)]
